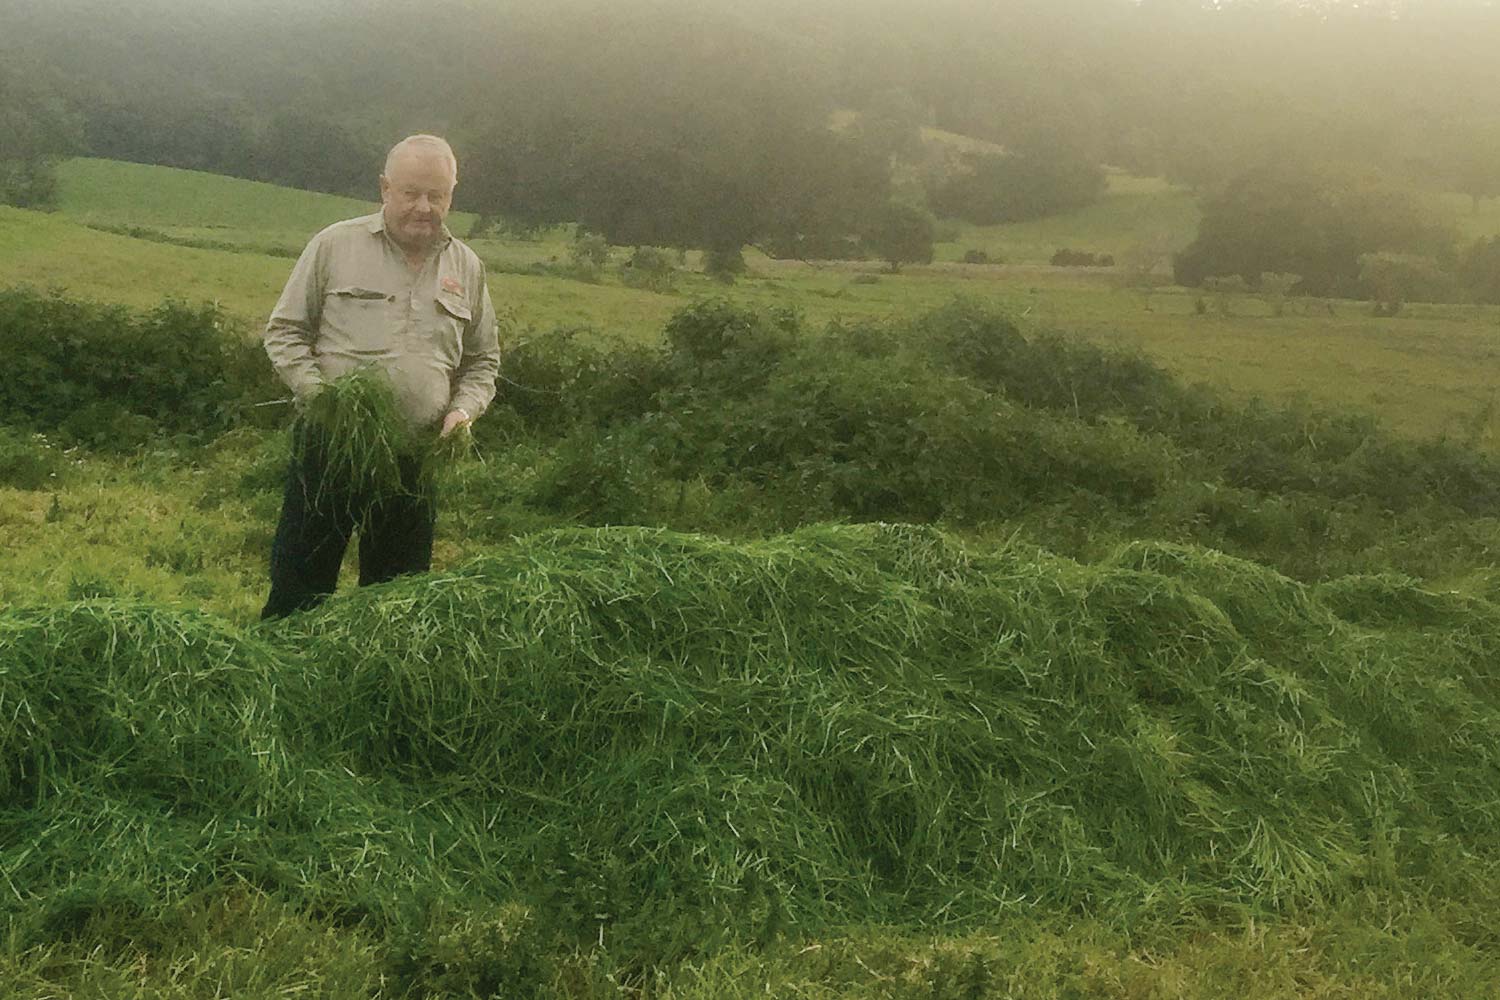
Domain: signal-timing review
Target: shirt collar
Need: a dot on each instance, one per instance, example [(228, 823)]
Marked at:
[(376, 225)]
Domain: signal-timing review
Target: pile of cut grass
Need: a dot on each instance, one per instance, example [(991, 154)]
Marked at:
[(670, 742)]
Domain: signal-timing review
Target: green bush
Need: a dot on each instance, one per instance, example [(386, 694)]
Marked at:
[(110, 377), (588, 255), (724, 263), (651, 268), (567, 376), (28, 461)]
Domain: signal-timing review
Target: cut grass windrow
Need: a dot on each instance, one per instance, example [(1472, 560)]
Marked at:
[(672, 741)]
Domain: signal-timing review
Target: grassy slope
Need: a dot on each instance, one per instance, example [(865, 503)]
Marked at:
[(1135, 212)]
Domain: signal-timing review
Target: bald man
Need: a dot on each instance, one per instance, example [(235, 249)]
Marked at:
[(397, 291)]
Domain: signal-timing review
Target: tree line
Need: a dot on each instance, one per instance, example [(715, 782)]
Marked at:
[(707, 124)]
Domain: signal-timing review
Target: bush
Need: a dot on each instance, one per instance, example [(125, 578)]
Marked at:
[(588, 255), (594, 478), (1390, 279), (28, 461), (717, 330), (651, 268), (977, 257), (724, 263), (111, 378), (570, 376), (1480, 270), (1081, 258)]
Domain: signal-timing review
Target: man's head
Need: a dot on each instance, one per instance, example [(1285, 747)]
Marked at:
[(416, 190)]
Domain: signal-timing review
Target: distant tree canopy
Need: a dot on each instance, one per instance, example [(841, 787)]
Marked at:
[(1017, 187), (900, 234), (36, 127), (1316, 222), (705, 122)]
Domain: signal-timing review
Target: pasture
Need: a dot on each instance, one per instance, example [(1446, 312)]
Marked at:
[(1429, 371)]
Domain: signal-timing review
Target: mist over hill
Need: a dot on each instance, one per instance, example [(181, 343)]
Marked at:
[(707, 124)]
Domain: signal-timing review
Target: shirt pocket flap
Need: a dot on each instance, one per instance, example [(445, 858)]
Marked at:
[(354, 292), (456, 308)]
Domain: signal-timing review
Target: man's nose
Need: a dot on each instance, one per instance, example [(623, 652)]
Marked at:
[(424, 204)]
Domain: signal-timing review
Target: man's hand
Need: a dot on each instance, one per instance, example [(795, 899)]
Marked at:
[(453, 421)]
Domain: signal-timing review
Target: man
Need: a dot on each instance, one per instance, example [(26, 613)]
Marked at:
[(394, 290)]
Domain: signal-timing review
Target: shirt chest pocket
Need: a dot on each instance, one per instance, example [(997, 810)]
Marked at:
[(358, 313), (453, 318)]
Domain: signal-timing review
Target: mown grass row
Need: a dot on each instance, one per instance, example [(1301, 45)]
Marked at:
[(676, 745)]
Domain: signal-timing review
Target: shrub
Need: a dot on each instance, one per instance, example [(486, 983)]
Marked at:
[(651, 268), (28, 461), (716, 330), (976, 257), (724, 263), (594, 477), (1480, 270), (555, 380), (1081, 258), (110, 377), (1390, 279), (588, 255)]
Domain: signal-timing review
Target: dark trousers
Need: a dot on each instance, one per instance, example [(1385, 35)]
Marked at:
[(319, 516)]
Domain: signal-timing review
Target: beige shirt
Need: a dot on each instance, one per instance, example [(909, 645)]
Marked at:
[(352, 301)]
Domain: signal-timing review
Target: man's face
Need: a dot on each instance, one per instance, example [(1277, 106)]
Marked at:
[(416, 195)]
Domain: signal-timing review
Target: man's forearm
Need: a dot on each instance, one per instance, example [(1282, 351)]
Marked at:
[(474, 388), (293, 358)]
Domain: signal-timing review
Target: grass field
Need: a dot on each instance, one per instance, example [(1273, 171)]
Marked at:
[(1429, 371), (1056, 743)]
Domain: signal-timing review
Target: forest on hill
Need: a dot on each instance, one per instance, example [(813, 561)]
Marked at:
[(707, 124)]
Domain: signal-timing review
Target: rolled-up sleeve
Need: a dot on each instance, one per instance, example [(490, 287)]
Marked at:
[(291, 332), (474, 381)]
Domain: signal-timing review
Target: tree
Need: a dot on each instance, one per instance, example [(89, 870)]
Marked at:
[(1475, 161), (901, 234), (890, 126), (37, 128), (1392, 279), (1481, 270), (1044, 179), (1313, 221)]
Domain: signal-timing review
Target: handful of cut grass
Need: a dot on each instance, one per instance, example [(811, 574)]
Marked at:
[(362, 449), (456, 447), (359, 438)]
